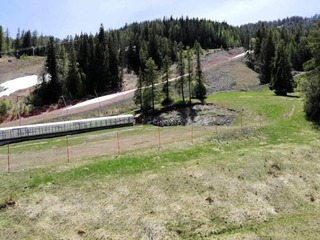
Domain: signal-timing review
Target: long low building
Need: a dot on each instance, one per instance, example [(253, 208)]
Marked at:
[(36, 131)]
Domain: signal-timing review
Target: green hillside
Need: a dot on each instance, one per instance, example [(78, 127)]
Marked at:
[(254, 182)]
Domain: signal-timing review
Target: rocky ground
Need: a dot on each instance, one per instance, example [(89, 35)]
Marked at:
[(195, 114)]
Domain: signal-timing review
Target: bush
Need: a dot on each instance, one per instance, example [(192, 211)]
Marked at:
[(5, 107)]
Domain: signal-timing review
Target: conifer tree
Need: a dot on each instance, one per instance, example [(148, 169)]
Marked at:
[(8, 42), (1, 39), (166, 72), (138, 93), (166, 86), (114, 78), (312, 91), (54, 84), (190, 71), (74, 84), (200, 89), (181, 70), (101, 62), (17, 42), (266, 57), (282, 80), (151, 76)]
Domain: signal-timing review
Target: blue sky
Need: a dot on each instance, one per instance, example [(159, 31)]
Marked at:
[(68, 17)]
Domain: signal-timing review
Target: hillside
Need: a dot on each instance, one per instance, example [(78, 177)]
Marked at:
[(11, 68)]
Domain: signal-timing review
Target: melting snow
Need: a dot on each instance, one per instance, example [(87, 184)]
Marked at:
[(18, 84)]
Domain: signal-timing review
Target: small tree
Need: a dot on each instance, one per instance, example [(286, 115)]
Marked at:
[(5, 106), (282, 80)]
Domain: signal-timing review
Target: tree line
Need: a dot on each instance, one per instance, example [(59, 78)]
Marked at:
[(25, 43), (89, 65), (276, 50)]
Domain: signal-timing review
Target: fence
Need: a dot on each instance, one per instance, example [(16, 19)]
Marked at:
[(77, 148)]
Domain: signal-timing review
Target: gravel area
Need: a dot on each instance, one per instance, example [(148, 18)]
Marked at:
[(197, 115)]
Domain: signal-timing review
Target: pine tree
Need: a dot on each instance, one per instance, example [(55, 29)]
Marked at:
[(282, 80), (312, 91), (260, 35), (8, 42), (166, 86), (101, 62), (52, 66), (74, 84), (114, 80), (200, 88), (181, 70), (17, 42), (138, 93), (166, 72), (266, 57), (190, 71), (151, 76), (62, 65), (27, 43), (1, 40)]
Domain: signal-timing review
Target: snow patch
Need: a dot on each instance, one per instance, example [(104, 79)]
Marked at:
[(100, 99), (17, 84)]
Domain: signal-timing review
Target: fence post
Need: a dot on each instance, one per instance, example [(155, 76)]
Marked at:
[(67, 143), (8, 158), (118, 140)]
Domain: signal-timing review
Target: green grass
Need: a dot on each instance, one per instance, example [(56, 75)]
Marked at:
[(274, 167)]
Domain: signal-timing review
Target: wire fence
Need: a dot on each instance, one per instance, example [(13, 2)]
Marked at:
[(62, 151)]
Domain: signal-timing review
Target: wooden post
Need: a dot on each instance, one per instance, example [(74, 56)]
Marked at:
[(68, 154), (118, 140), (8, 158)]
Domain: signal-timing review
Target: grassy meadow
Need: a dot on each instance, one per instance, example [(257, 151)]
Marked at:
[(260, 181)]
